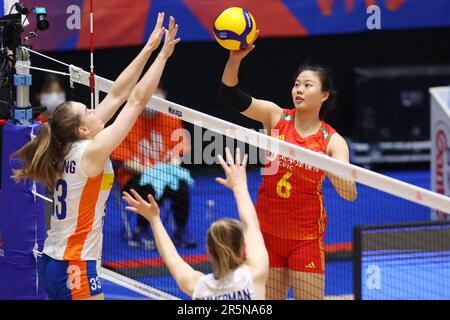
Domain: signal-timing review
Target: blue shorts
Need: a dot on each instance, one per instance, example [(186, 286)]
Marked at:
[(69, 280)]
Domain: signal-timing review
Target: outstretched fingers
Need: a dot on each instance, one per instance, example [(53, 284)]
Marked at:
[(133, 209), (222, 181), (129, 199), (237, 157), (229, 156), (174, 42), (152, 200), (169, 38), (173, 30), (137, 196), (244, 161), (171, 23), (223, 163), (159, 20), (256, 37)]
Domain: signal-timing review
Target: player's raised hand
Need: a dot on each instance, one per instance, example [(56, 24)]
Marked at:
[(156, 36), (242, 53), (136, 204), (235, 171), (170, 41)]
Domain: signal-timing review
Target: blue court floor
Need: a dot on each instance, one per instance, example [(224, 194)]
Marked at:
[(339, 275)]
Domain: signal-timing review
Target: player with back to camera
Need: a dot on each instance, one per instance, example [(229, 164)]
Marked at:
[(290, 203), (71, 156), (236, 249)]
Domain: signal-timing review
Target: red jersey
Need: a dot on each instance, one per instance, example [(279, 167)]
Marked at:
[(290, 202), (157, 139)]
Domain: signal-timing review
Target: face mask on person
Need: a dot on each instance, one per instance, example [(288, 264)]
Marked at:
[(52, 100)]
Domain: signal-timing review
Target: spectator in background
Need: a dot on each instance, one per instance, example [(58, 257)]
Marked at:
[(50, 93), (148, 161)]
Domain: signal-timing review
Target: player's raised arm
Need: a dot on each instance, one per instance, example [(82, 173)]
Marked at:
[(185, 276), (338, 149), (236, 180), (109, 138), (266, 112), (126, 81)]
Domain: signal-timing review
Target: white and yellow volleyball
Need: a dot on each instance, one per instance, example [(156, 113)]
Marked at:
[(234, 28)]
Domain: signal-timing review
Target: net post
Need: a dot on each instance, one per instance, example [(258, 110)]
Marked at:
[(357, 246)]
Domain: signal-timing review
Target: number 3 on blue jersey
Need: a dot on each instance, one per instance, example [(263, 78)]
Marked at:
[(59, 199)]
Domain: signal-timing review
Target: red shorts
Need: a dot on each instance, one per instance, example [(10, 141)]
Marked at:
[(297, 255)]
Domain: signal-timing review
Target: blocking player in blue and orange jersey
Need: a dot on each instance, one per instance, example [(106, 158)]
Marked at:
[(71, 155), (290, 203)]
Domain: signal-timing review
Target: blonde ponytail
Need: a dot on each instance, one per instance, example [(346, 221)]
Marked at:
[(43, 157), (225, 240)]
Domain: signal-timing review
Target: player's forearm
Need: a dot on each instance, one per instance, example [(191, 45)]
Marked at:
[(145, 88), (122, 87), (230, 74), (165, 246), (126, 81), (345, 188), (246, 209)]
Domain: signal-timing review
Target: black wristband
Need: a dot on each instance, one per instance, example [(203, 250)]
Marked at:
[(235, 98)]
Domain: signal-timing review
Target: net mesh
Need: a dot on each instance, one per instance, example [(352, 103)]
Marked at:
[(309, 225), (175, 161)]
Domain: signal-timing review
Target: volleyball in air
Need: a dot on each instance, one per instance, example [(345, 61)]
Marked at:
[(234, 28)]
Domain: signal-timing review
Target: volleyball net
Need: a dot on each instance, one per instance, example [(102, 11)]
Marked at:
[(171, 153)]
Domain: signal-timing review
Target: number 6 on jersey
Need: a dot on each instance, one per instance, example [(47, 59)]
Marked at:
[(284, 186)]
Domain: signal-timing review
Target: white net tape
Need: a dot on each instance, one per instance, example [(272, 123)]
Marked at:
[(344, 170)]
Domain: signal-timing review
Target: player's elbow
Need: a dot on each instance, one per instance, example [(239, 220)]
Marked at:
[(234, 98), (118, 95), (139, 96), (136, 101)]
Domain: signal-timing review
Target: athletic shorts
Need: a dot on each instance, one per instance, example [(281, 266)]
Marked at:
[(69, 280), (296, 255)]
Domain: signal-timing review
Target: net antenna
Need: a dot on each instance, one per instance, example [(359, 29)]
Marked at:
[(94, 91)]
